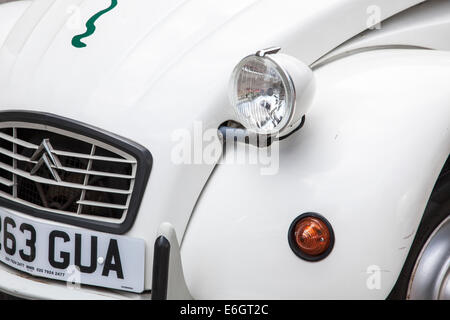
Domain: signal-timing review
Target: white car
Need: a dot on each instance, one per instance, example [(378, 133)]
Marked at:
[(239, 149)]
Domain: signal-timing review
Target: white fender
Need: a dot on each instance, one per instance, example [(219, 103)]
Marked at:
[(367, 159)]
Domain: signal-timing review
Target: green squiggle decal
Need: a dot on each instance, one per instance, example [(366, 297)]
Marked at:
[(90, 26)]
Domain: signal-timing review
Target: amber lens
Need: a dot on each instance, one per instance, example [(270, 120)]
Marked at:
[(312, 236)]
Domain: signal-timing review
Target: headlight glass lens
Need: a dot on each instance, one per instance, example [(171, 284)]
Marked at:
[(262, 95)]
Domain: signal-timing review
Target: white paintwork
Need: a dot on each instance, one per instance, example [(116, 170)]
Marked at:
[(426, 25), (356, 161), (9, 14), (153, 67)]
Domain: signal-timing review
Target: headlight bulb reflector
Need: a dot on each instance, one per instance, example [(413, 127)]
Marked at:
[(262, 94)]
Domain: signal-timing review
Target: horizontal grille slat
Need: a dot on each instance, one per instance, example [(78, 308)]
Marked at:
[(6, 182), (101, 204), (87, 156), (97, 173), (15, 156), (64, 172), (18, 141)]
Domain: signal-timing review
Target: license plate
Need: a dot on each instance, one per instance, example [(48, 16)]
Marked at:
[(74, 255)]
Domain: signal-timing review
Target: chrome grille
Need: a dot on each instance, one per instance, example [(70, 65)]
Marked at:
[(63, 172)]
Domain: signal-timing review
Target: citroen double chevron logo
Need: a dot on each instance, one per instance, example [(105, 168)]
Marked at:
[(45, 157)]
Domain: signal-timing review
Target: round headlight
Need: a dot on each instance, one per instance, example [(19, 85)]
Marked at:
[(264, 93)]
